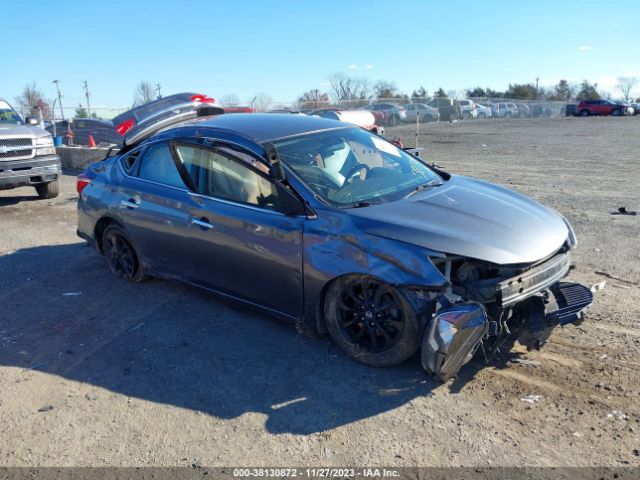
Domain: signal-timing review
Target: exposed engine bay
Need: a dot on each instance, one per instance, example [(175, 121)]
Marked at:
[(487, 307)]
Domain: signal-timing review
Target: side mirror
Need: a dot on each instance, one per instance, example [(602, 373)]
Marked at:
[(32, 121)]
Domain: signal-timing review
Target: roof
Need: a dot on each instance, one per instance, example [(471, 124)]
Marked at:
[(265, 127)]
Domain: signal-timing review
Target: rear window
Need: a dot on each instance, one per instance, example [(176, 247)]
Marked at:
[(158, 166)]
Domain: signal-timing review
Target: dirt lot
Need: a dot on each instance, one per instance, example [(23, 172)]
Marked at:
[(95, 371)]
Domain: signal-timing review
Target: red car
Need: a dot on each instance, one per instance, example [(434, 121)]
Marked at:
[(599, 107)]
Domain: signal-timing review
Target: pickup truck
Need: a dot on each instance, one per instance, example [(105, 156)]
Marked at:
[(27, 154)]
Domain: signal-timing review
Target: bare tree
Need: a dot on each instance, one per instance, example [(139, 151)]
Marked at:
[(625, 85), (349, 91), (230, 100), (32, 101), (385, 89), (313, 99), (261, 102), (143, 93)]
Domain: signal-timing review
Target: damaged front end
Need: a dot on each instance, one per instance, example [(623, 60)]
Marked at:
[(489, 306)]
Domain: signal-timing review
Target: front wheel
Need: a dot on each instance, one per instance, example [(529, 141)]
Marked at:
[(120, 254), (48, 190), (616, 113), (584, 113), (371, 321)]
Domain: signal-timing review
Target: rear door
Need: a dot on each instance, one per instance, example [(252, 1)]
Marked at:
[(243, 237), (153, 202)]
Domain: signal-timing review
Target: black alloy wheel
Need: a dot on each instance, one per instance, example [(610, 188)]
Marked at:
[(120, 254), (371, 320)]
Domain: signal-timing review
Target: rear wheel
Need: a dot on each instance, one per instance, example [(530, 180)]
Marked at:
[(584, 113), (121, 256), (371, 321), (48, 190), (616, 112), (482, 115), (427, 118)]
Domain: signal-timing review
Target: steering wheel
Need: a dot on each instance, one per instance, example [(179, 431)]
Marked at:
[(349, 177)]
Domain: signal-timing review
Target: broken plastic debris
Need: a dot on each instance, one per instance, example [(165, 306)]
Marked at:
[(617, 414), (71, 294), (598, 286), (531, 398), (624, 211)]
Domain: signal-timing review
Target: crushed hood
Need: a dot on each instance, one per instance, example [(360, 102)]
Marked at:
[(470, 218)]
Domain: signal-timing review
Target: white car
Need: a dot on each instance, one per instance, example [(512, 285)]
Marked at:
[(467, 109), (425, 113), (482, 111)]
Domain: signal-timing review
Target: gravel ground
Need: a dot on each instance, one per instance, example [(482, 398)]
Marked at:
[(99, 372)]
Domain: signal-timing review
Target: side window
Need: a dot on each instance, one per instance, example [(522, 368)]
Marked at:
[(158, 166), (217, 175), (129, 160)]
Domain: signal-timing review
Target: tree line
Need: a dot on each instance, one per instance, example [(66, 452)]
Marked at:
[(355, 91), (345, 90)]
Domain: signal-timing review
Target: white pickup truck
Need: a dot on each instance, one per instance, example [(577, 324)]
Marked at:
[(27, 154)]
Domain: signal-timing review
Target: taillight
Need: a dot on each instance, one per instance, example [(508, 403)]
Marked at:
[(81, 182), (202, 98), (125, 126)]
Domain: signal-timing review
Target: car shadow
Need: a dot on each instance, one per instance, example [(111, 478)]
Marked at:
[(6, 201), (66, 314)]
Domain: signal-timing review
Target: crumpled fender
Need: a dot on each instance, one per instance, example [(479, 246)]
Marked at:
[(329, 255)]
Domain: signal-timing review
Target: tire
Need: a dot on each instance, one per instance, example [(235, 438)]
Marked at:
[(507, 115), (482, 115), (467, 115), (48, 190), (381, 335), (584, 113), (616, 112), (121, 256), (427, 118)]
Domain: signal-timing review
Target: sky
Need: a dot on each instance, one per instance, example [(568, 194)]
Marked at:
[(284, 48)]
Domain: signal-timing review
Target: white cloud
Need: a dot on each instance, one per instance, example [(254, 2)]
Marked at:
[(353, 66), (369, 66), (584, 48)]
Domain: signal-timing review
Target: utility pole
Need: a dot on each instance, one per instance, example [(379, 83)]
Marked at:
[(87, 94), (57, 82), (537, 80), (158, 91)]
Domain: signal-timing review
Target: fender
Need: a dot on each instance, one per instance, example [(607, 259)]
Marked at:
[(329, 255)]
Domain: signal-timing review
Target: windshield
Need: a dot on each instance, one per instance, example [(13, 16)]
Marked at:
[(352, 167), (8, 116)]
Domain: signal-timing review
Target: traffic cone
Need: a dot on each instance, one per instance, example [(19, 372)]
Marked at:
[(92, 142)]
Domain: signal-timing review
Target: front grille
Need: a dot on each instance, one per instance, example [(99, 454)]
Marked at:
[(6, 145)]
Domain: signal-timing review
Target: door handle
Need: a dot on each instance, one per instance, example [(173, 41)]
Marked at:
[(202, 222), (131, 203)]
